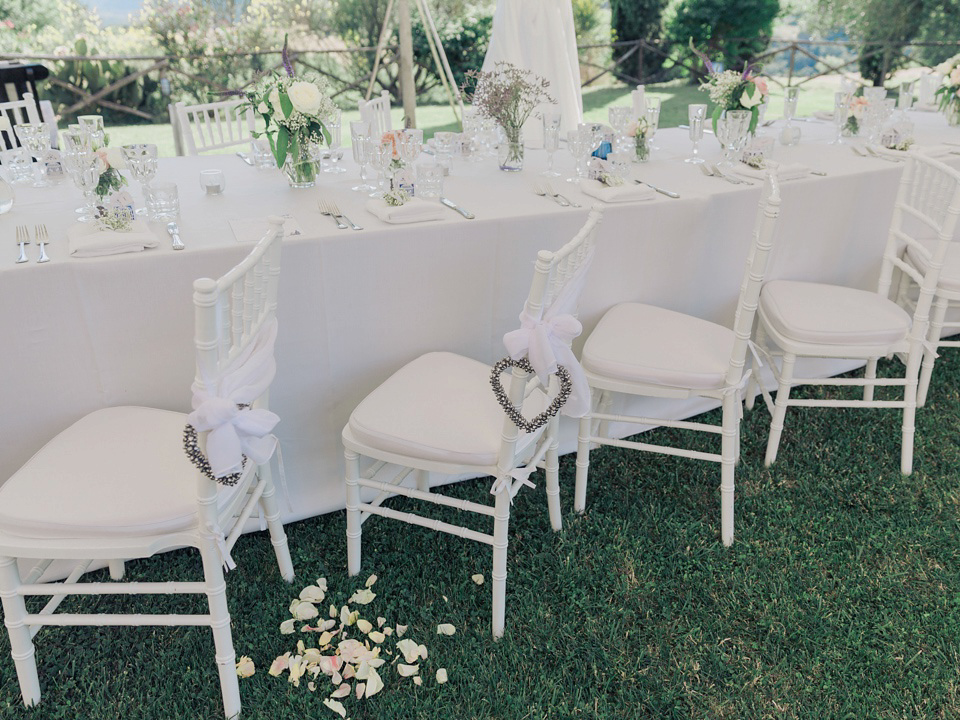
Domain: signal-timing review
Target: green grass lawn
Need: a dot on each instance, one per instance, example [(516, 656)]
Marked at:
[(839, 599), (675, 97)]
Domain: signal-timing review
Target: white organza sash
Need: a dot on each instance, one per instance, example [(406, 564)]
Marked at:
[(233, 432)]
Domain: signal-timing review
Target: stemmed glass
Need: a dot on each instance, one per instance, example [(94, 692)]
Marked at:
[(619, 117), (142, 160), (732, 132), (382, 159), (362, 151), (409, 144), (696, 115), (841, 109), (83, 165), (36, 139), (334, 126), (790, 135), (580, 146), (653, 120), (93, 125), (905, 100), (551, 139)]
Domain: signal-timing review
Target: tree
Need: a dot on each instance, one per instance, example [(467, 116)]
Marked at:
[(29, 13), (637, 20), (732, 30)]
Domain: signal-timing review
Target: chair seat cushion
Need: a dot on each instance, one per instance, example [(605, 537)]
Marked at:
[(949, 274), (439, 407), (116, 472), (652, 345), (832, 314)]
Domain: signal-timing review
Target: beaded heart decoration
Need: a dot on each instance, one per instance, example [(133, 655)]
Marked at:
[(512, 411)]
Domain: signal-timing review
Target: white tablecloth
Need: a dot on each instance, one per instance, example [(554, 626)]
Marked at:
[(80, 334)]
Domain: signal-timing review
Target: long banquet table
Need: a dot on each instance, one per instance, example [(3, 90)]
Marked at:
[(81, 334)]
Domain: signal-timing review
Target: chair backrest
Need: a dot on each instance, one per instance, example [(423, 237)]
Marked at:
[(215, 125), (928, 202), (764, 234), (558, 277), (19, 111), (377, 113)]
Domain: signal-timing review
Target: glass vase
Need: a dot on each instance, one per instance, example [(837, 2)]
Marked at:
[(952, 112), (511, 150), (301, 168), (642, 149)]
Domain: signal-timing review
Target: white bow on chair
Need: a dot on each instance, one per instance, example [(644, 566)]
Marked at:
[(235, 432)]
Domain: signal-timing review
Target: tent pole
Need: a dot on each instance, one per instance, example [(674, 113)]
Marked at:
[(440, 58), (408, 90), (381, 44)]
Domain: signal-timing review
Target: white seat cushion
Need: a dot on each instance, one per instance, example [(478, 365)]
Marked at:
[(949, 274), (652, 345), (439, 407), (116, 472), (831, 314)]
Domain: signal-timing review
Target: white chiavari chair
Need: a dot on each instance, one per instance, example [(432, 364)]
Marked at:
[(16, 112), (438, 414), (213, 126), (377, 113), (814, 320), (644, 350), (118, 485)]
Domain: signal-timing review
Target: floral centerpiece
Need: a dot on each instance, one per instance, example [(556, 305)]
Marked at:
[(638, 131), (732, 90), (294, 110), (858, 107), (949, 90), (109, 163), (508, 95)]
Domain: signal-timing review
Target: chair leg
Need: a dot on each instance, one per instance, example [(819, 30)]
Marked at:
[(930, 355), (870, 373), (423, 480), (909, 413), (583, 464), (552, 472), (116, 569), (278, 537), (753, 384), (353, 512), (729, 444), (220, 624), (780, 408), (501, 526), (21, 645)]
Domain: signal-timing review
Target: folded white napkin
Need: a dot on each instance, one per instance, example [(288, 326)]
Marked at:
[(789, 171), (88, 240), (823, 115), (628, 192), (413, 210), (930, 151), (252, 229)]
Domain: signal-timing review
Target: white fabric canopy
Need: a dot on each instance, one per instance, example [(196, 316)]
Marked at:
[(538, 35)]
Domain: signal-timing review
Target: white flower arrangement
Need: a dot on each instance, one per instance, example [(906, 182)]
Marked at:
[(396, 198), (949, 90), (732, 90)]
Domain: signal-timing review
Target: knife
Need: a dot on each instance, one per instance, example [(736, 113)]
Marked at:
[(660, 190), (246, 159), (453, 206)]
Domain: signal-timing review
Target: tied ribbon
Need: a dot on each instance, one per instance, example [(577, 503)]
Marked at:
[(521, 474), (221, 541), (234, 432)]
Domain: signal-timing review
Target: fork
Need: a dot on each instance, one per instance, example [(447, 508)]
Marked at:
[(548, 188), (42, 237), (325, 209), (881, 156), (541, 191), (23, 237), (339, 216), (729, 178)]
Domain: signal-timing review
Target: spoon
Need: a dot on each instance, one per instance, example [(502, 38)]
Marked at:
[(175, 234)]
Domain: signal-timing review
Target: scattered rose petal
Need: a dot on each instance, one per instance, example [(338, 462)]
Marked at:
[(362, 597), (312, 655), (441, 676), (359, 689), (401, 629), (286, 627), (349, 672), (377, 636), (380, 622), (422, 649), (407, 670), (353, 651), (363, 670), (370, 581), (445, 629), (314, 669), (376, 662), (444, 598), (336, 706), (301, 648), (304, 610), (410, 650), (374, 684), (388, 631), (333, 611), (311, 686), (341, 691), (322, 584), (478, 579), (279, 665), (364, 626), (311, 593), (297, 668), (245, 667), (336, 679), (325, 638), (327, 624), (329, 664), (417, 680)]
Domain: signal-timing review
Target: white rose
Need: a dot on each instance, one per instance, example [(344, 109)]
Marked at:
[(262, 108), (751, 97), (274, 98), (305, 97), (115, 158), (955, 76)]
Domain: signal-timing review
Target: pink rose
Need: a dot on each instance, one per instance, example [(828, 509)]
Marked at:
[(761, 84)]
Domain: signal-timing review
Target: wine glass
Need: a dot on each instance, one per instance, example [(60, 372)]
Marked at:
[(696, 115), (93, 125), (790, 135), (905, 99), (36, 139), (732, 132), (580, 145), (551, 139), (382, 160), (653, 120), (142, 160), (841, 109), (334, 126), (362, 152), (619, 117), (85, 172), (409, 144)]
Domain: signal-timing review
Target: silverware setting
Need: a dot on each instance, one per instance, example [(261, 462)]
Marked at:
[(23, 238), (729, 178), (711, 171), (42, 238), (880, 155), (245, 158), (330, 208), (174, 231), (668, 193), (453, 206), (542, 192)]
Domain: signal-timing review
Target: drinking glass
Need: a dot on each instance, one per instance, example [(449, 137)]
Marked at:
[(928, 86), (93, 125), (142, 160), (163, 201), (732, 133), (875, 94), (212, 181), (619, 117), (362, 153), (905, 99), (696, 115), (334, 126), (551, 139), (581, 143), (409, 144), (620, 163), (443, 144), (429, 180), (36, 139), (262, 155), (653, 120), (790, 135), (18, 161), (382, 160), (841, 109), (85, 172)]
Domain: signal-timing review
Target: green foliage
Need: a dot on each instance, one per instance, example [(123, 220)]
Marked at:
[(637, 20), (586, 19), (731, 30), (940, 24), (465, 40), (22, 14)]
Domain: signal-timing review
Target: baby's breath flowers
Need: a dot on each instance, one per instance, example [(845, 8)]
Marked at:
[(508, 95), (732, 90)]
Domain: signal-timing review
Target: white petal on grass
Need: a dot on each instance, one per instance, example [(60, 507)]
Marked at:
[(297, 668), (380, 622), (478, 579), (349, 672), (422, 649), (336, 706), (286, 627), (311, 686), (410, 650), (325, 639), (445, 629), (341, 691), (333, 611), (388, 631), (377, 662), (374, 684), (279, 665), (377, 636), (441, 676), (245, 667), (401, 629), (328, 624), (407, 670), (312, 655), (359, 689), (311, 593), (336, 678), (363, 597), (364, 626), (322, 584), (305, 611), (417, 680)]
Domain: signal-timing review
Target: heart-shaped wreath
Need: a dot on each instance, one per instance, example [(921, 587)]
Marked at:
[(512, 411), (192, 448)]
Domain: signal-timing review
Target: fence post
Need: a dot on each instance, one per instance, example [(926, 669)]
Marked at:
[(793, 56)]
